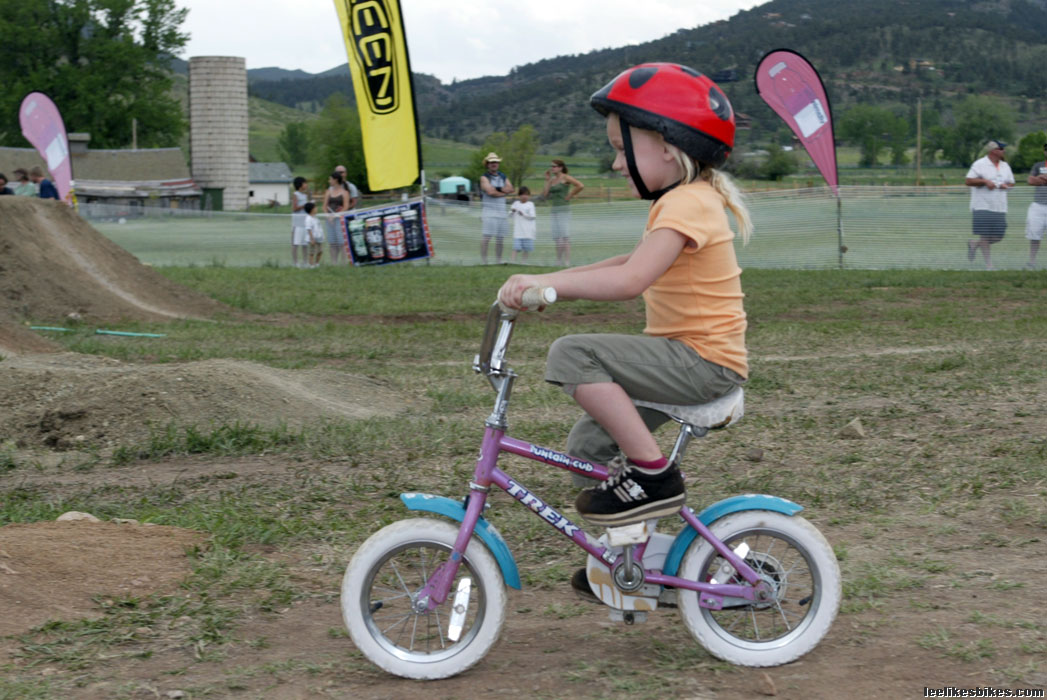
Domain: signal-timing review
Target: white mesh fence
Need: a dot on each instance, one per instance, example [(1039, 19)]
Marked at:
[(882, 228)]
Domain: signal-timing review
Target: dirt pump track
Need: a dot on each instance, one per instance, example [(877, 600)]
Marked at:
[(53, 264)]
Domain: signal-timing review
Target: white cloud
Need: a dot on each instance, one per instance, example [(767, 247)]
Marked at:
[(448, 40)]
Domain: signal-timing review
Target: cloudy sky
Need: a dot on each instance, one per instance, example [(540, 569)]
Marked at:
[(450, 40)]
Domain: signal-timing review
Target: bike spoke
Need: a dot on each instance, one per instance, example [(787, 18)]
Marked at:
[(399, 619), (425, 571), (782, 613), (738, 617), (756, 626), (400, 578), (393, 594), (414, 632), (440, 630), (402, 629)]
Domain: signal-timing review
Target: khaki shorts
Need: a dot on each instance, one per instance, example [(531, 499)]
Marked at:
[(654, 369)]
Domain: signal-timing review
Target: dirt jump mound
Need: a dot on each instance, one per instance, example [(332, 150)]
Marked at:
[(53, 263), (65, 401)]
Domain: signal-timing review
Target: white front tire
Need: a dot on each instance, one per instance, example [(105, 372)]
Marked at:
[(382, 581)]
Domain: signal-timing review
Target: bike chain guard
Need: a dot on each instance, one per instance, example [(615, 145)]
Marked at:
[(622, 593)]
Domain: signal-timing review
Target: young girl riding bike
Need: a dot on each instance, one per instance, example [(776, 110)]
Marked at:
[(671, 128)]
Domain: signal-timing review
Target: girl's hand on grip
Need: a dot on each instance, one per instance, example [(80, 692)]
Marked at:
[(511, 293)]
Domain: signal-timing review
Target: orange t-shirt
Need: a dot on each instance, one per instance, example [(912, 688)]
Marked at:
[(698, 300)]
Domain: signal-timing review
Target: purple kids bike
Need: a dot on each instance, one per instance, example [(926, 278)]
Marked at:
[(755, 584)]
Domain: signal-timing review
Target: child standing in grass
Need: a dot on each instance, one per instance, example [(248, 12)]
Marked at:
[(671, 128), (316, 238), (525, 224)]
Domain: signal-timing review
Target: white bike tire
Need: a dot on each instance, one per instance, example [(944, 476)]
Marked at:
[(825, 585), (366, 631)]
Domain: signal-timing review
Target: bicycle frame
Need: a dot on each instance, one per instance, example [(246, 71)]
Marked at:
[(487, 473)]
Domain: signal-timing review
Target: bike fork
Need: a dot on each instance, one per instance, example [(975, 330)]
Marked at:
[(438, 587)]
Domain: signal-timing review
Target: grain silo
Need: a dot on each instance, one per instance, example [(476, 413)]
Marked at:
[(218, 129)]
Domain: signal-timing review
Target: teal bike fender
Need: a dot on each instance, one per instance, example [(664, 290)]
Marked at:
[(487, 532), (707, 517)]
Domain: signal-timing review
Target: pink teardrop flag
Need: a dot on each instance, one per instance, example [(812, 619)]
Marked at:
[(43, 127), (792, 87)]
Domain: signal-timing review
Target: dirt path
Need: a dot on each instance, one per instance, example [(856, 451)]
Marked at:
[(912, 633)]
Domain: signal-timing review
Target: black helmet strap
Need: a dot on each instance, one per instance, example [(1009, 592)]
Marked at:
[(630, 162)]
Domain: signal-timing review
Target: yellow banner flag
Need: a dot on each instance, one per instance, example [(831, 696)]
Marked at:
[(381, 70)]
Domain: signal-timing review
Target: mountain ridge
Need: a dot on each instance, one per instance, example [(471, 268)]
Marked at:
[(881, 53)]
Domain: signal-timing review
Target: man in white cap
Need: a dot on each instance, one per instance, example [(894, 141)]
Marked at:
[(989, 179), (494, 215)]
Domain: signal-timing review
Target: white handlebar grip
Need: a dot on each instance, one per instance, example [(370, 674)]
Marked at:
[(538, 296)]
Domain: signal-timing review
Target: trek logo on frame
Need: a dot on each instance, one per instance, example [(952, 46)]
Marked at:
[(538, 506)]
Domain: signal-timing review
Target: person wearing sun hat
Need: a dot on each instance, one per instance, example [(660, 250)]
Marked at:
[(494, 215), (989, 179)]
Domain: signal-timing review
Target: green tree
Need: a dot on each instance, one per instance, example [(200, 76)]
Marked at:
[(874, 129), (293, 144), (975, 120), (779, 163), (1030, 150), (519, 153), (516, 151), (103, 62), (334, 138)]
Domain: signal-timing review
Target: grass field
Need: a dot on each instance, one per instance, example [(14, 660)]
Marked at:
[(882, 228), (937, 516)]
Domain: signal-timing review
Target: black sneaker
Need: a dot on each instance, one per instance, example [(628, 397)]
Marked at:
[(632, 495)]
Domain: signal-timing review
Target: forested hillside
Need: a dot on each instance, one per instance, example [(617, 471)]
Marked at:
[(882, 53)]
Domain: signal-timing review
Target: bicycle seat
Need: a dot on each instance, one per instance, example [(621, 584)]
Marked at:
[(718, 413)]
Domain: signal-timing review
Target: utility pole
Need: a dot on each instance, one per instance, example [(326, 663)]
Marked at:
[(134, 134), (919, 135)]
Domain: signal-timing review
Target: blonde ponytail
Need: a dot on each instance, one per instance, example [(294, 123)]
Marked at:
[(722, 183)]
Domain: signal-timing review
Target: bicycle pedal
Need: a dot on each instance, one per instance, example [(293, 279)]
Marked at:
[(629, 617), (637, 533)]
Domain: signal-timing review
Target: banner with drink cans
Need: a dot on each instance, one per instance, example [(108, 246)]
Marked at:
[(388, 234)]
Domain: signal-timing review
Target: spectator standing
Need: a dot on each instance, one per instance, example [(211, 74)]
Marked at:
[(45, 188), (524, 224), (989, 179), (353, 196), (314, 234), (4, 189), (1036, 218), (336, 201), (494, 187), (354, 193), (299, 237), (561, 188), (23, 186)]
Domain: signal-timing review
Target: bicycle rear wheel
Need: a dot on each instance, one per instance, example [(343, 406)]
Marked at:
[(794, 558), (382, 582)]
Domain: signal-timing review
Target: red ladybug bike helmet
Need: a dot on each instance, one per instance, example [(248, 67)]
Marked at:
[(681, 104)]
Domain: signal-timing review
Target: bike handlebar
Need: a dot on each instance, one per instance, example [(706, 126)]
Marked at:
[(533, 298)]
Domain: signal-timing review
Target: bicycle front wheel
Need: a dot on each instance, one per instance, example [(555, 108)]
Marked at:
[(799, 565), (383, 581)]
